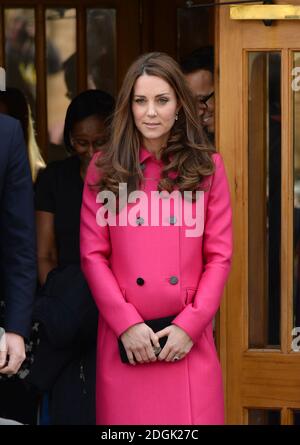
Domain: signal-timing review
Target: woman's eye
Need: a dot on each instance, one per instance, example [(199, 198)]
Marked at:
[(139, 100), (82, 143), (163, 100), (99, 142)]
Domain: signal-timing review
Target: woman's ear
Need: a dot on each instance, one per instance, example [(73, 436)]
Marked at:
[(178, 108)]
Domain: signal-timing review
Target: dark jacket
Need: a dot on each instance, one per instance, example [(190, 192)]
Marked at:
[(17, 229), (65, 359)]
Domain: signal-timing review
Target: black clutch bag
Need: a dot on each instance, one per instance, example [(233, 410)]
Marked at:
[(156, 325)]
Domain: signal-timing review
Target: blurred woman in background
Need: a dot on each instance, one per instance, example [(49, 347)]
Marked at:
[(64, 365)]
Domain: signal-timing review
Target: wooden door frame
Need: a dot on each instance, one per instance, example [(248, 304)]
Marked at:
[(254, 378)]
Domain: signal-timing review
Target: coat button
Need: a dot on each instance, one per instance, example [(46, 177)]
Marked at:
[(173, 220), (140, 281), (173, 280), (142, 166), (140, 221)]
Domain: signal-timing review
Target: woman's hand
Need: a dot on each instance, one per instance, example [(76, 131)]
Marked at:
[(138, 341), (178, 345)]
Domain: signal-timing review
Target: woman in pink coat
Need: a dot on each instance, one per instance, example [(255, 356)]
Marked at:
[(156, 254)]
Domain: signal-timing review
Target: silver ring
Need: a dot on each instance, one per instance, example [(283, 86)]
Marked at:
[(175, 358)]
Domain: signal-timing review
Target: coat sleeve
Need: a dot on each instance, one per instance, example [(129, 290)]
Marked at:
[(18, 251), (217, 252), (95, 250)]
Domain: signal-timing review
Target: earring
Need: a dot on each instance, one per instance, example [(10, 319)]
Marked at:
[(176, 116)]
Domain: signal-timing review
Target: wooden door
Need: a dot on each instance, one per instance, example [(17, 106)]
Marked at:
[(174, 27), (258, 136)]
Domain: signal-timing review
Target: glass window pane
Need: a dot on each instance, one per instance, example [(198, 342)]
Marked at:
[(264, 195), (296, 415), (61, 73), (20, 52), (264, 417), (296, 120), (101, 49), (195, 29)]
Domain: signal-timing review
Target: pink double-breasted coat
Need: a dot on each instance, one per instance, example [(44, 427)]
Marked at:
[(180, 275)]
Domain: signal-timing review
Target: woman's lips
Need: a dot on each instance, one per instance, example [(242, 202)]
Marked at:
[(150, 125)]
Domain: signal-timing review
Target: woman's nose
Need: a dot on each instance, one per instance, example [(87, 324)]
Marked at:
[(90, 150), (151, 111)]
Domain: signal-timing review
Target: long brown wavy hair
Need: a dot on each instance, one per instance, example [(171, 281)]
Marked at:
[(187, 152)]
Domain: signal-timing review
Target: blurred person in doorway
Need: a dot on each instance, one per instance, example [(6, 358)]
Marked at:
[(14, 103), (198, 68)]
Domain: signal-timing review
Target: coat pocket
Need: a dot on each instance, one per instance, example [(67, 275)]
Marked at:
[(190, 293)]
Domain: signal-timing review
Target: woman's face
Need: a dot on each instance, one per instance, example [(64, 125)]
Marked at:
[(154, 108), (87, 136)]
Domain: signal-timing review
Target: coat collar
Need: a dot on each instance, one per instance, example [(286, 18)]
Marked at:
[(145, 154)]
